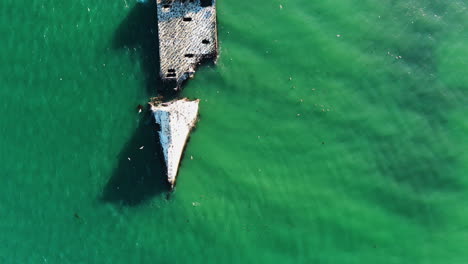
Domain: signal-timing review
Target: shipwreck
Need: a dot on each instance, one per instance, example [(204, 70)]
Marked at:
[(175, 119), (187, 34)]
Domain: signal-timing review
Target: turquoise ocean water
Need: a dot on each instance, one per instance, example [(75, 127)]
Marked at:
[(330, 132)]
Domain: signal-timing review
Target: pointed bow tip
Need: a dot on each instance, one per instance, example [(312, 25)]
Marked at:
[(176, 119)]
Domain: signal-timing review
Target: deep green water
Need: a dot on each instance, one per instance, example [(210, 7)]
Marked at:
[(317, 142)]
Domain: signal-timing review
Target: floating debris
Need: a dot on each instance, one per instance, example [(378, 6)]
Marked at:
[(140, 108)]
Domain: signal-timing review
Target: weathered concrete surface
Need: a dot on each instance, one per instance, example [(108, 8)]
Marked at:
[(176, 119), (187, 35)]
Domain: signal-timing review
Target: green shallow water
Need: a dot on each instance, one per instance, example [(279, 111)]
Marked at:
[(317, 142)]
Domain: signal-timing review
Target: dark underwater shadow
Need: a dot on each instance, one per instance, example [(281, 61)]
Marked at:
[(141, 172), (139, 31)]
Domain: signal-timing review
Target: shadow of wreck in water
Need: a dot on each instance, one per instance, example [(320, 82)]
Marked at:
[(141, 172), (139, 31)]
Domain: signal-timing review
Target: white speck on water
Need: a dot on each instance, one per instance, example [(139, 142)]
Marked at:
[(142, 147), (338, 35)]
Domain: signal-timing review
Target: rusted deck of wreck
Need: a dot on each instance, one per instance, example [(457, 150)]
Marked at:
[(187, 35)]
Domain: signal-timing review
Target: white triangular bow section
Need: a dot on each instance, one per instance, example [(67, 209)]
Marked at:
[(176, 119)]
